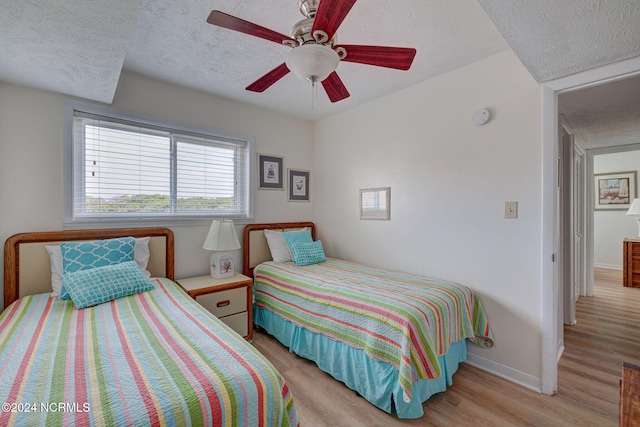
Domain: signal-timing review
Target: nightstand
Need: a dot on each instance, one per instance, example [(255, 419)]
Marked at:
[(230, 299)]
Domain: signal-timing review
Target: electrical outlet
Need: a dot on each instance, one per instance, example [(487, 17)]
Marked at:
[(511, 209)]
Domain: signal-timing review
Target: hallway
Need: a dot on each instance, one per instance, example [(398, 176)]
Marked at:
[(606, 334)]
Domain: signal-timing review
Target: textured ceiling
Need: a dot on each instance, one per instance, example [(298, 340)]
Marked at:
[(75, 47), (80, 47), (556, 38), (604, 115)]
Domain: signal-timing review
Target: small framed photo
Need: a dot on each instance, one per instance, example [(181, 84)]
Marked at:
[(375, 203), (298, 185), (615, 191), (270, 172)]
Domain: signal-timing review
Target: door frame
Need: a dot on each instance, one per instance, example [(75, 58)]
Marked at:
[(551, 348), (567, 196)]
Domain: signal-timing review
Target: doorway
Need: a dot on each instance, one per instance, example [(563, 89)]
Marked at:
[(552, 292), (599, 135)]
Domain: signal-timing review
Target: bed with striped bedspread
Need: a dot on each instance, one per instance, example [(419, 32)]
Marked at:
[(154, 358), (405, 320)]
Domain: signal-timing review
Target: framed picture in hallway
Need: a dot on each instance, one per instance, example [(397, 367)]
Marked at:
[(615, 191)]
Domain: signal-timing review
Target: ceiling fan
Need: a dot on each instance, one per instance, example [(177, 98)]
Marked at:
[(315, 54)]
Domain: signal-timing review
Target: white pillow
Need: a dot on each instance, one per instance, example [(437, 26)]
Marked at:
[(140, 255), (55, 257), (278, 246)]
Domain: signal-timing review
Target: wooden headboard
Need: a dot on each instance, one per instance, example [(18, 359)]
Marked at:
[(255, 245), (27, 269)]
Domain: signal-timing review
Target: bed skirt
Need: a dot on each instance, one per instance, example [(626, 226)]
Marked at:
[(374, 380)]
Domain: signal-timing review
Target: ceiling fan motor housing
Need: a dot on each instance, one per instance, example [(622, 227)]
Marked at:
[(301, 31)]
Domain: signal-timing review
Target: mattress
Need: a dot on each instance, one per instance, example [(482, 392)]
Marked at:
[(406, 322), (152, 358)]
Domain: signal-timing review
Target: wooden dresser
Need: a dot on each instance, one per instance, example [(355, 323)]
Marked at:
[(631, 263)]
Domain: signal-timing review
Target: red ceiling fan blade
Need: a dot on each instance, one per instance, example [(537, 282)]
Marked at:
[(335, 88), (399, 58), (264, 82), (330, 15), (221, 19)]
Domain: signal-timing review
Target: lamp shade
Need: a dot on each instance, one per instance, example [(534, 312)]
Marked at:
[(222, 237), (312, 62), (635, 208)]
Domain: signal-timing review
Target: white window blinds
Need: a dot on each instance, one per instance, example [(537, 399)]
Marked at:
[(124, 169)]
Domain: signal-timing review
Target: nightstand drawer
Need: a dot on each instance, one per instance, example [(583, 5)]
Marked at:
[(228, 299), (225, 303), (238, 322)]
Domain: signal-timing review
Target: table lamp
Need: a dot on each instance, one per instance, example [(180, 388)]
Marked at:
[(634, 210), (221, 239)]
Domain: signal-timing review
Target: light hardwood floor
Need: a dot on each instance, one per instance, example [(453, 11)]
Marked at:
[(607, 333)]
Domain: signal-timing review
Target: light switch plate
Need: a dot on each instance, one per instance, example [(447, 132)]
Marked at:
[(511, 209)]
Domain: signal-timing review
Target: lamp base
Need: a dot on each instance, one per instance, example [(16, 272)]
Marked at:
[(221, 265)]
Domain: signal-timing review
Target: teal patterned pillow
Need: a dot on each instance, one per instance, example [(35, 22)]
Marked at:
[(77, 256), (307, 253), (101, 284), (302, 236)]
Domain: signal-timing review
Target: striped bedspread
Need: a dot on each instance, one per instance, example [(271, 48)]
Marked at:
[(399, 318), (155, 358)]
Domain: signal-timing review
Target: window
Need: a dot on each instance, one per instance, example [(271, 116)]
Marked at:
[(127, 168)]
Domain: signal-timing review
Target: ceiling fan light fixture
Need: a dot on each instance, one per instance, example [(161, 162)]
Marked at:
[(312, 62)]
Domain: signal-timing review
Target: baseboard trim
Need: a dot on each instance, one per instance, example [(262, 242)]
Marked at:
[(505, 372), (609, 266), (560, 351)]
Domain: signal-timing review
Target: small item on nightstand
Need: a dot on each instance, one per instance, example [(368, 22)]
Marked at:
[(222, 238)]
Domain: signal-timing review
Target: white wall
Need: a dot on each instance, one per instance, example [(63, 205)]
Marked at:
[(610, 228), (449, 180), (31, 153)]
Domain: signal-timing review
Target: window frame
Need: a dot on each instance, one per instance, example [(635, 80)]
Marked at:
[(70, 220)]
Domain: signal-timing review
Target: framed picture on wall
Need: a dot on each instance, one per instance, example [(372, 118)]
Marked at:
[(375, 203), (271, 176), (615, 191), (298, 185)]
